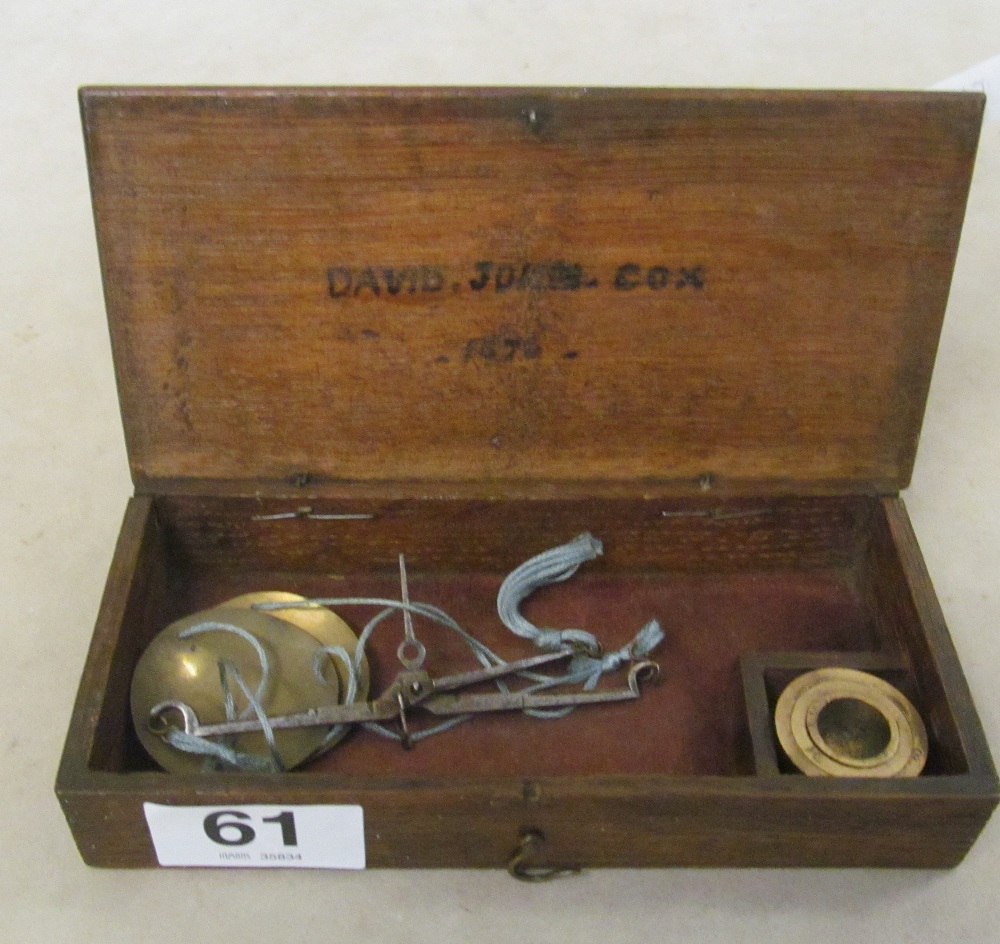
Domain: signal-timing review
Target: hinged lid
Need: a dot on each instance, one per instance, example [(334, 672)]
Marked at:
[(527, 289)]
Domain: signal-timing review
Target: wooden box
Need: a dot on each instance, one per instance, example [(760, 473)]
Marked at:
[(700, 325)]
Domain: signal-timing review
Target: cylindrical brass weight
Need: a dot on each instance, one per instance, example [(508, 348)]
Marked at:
[(840, 722)]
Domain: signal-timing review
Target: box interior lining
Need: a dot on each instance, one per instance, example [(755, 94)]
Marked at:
[(694, 722)]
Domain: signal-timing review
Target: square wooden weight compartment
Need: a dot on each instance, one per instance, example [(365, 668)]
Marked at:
[(700, 325)]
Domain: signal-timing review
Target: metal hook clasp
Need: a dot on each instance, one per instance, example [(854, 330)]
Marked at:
[(517, 867), (158, 723)]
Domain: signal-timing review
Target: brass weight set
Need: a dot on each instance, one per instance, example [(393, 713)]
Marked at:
[(840, 722)]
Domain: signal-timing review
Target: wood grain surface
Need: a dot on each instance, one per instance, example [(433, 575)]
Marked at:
[(497, 286)]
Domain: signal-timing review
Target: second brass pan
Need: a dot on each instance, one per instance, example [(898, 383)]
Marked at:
[(319, 621), (323, 625)]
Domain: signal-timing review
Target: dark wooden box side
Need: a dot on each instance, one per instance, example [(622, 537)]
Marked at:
[(133, 589), (588, 822), (906, 603), (643, 820)]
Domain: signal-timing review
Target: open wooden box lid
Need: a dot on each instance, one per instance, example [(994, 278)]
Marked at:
[(526, 290)]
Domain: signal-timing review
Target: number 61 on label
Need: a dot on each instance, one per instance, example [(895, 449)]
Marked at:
[(298, 837), (215, 826)]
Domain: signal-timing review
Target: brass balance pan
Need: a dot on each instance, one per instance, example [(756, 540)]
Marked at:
[(187, 669), (319, 621), (840, 722)]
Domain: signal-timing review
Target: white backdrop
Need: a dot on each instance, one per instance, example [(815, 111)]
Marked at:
[(64, 478)]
